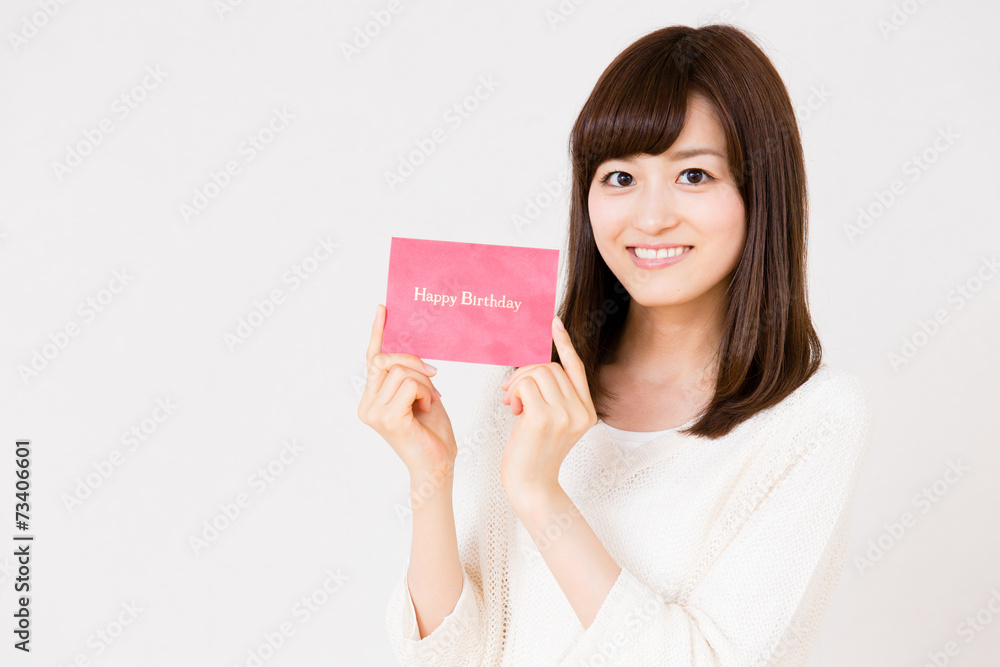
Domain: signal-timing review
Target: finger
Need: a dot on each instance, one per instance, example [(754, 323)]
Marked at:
[(383, 362), (409, 396), (550, 367), (398, 373), (396, 383), (375, 342), (529, 395), (570, 361), (386, 360), (508, 398), (517, 374), (375, 348), (565, 384), (531, 385), (548, 385)]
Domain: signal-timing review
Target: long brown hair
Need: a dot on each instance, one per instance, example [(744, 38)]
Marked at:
[(769, 346)]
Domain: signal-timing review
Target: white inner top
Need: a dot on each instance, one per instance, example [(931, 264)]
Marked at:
[(629, 440)]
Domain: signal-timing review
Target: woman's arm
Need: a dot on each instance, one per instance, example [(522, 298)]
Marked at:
[(582, 567), (437, 615), (434, 575)]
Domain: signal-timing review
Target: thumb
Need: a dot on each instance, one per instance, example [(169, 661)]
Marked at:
[(568, 357)]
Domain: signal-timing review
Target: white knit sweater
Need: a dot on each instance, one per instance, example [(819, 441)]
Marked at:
[(730, 549)]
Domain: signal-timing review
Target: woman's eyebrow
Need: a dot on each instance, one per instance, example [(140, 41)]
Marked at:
[(675, 156), (694, 152)]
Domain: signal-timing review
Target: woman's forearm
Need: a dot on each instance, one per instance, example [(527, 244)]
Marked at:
[(434, 575), (580, 564)]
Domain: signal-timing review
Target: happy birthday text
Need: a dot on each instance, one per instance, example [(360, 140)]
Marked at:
[(468, 299)]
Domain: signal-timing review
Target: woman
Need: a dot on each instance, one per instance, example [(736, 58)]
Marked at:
[(674, 488)]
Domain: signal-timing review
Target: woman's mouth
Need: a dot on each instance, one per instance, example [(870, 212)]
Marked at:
[(649, 258)]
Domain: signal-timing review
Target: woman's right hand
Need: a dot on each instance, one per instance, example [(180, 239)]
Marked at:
[(402, 405)]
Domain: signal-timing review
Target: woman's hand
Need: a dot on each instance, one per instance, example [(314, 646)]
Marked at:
[(555, 410), (402, 405)]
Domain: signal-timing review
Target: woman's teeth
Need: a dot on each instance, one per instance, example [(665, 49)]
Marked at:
[(649, 253)]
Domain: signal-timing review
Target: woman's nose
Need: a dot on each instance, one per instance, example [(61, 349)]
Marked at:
[(657, 208)]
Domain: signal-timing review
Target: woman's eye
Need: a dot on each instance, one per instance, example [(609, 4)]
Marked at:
[(617, 178), (700, 176)]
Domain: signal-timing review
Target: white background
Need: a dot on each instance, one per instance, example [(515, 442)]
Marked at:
[(869, 101)]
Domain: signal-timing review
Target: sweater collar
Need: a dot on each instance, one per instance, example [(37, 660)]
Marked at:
[(620, 465)]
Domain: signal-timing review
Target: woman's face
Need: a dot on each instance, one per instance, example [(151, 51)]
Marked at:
[(672, 199)]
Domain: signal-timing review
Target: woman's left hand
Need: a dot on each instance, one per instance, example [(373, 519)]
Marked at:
[(555, 410)]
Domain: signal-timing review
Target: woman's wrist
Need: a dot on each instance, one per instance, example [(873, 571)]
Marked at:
[(534, 503), (430, 487)]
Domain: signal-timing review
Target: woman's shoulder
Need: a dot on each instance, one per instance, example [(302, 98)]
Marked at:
[(832, 386), (831, 399)]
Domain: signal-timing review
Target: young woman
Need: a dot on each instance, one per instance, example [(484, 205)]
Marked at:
[(675, 487)]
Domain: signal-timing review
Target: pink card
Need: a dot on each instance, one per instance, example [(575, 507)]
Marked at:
[(486, 304)]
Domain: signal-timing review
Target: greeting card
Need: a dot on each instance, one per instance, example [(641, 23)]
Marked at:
[(475, 302)]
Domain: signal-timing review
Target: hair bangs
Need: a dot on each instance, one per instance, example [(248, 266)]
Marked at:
[(643, 117)]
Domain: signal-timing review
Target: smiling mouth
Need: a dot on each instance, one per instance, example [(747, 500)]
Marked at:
[(661, 253)]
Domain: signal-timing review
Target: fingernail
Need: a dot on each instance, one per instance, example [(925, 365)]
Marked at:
[(437, 392), (559, 323), (430, 369), (376, 310)]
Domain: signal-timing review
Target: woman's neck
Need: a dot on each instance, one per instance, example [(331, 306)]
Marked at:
[(670, 345), (664, 367)]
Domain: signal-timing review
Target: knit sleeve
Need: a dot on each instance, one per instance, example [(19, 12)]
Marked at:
[(457, 641), (763, 586)]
